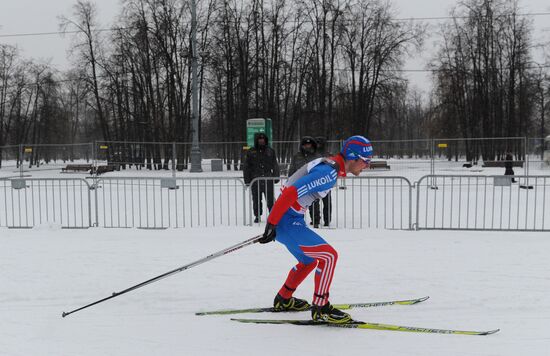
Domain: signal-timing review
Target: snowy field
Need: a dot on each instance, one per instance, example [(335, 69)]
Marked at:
[(475, 280)]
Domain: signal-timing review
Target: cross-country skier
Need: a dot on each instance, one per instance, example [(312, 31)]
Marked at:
[(286, 225)]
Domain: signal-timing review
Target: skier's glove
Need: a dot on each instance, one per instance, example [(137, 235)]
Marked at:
[(269, 234)]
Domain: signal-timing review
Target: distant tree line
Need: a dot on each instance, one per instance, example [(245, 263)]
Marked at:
[(315, 67), (486, 83)]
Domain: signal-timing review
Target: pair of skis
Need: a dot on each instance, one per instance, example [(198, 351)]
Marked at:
[(350, 325)]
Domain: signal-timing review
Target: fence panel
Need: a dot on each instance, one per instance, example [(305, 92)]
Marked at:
[(157, 203), (25, 203), (373, 202), (483, 203), (455, 202)]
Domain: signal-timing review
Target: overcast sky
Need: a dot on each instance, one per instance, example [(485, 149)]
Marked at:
[(32, 16)]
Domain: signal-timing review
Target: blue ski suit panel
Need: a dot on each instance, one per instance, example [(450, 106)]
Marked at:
[(292, 230)]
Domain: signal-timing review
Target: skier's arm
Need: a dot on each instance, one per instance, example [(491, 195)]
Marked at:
[(282, 204)]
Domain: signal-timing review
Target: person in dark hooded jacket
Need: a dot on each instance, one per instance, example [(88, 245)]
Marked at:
[(261, 161), (307, 153), (509, 166)]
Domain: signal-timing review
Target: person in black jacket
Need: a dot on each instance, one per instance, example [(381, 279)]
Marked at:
[(509, 166), (261, 161), (307, 153)]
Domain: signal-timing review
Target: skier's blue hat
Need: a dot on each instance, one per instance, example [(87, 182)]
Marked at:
[(357, 147)]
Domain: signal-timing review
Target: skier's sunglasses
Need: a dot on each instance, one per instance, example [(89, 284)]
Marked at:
[(365, 159)]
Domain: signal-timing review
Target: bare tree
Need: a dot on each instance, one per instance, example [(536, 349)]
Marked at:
[(483, 80), (374, 46), (87, 46)]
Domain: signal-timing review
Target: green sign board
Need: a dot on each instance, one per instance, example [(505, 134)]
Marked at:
[(253, 126)]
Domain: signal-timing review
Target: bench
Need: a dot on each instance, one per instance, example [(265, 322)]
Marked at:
[(379, 165), (103, 169), (501, 164), (77, 168)]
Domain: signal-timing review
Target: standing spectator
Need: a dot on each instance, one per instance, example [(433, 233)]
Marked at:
[(307, 153), (508, 165), (261, 161), (327, 200)]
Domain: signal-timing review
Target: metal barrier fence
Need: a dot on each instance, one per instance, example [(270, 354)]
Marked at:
[(539, 153), (442, 202), (158, 203), (483, 203), (10, 156), (356, 202), (397, 157), (175, 155), (25, 203), (33, 157)]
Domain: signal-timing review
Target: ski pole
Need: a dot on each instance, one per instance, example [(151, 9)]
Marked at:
[(177, 270)]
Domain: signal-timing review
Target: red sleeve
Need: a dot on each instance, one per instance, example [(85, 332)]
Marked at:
[(283, 203)]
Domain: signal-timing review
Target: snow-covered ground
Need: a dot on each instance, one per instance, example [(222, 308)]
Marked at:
[(475, 280)]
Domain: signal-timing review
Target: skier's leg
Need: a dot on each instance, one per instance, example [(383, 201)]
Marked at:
[(327, 257), (291, 232), (315, 247), (295, 277)]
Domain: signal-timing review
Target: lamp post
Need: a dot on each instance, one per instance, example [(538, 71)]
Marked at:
[(195, 149)]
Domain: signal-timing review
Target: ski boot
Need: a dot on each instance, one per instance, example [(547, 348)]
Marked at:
[(291, 304), (329, 314)]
